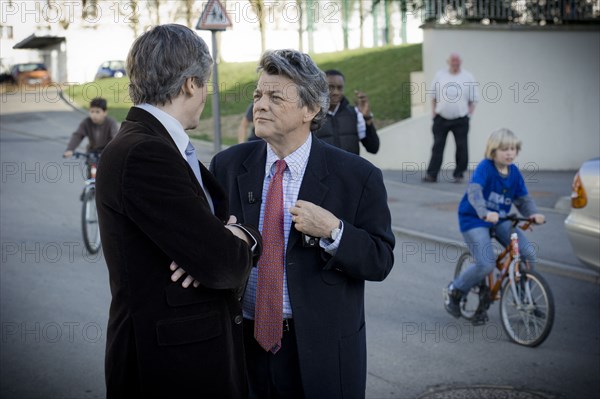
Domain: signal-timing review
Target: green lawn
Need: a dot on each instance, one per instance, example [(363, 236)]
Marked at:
[(383, 73)]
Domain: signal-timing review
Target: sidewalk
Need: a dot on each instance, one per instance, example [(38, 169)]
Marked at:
[(419, 210), (428, 211)]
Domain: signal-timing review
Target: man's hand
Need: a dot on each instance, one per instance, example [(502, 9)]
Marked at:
[(362, 103), (178, 272), (68, 154), (239, 233), (313, 220), (471, 109)]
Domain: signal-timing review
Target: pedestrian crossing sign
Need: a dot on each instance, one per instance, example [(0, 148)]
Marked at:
[(214, 17)]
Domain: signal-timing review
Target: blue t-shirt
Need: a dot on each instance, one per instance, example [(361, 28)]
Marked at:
[(498, 191)]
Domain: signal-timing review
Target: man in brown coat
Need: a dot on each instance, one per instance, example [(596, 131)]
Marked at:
[(157, 205)]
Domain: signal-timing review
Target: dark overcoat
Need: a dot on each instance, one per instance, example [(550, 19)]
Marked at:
[(326, 293), (164, 340)]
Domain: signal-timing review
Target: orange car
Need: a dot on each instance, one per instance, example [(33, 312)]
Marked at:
[(32, 74)]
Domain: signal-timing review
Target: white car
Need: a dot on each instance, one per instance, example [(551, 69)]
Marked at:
[(583, 223)]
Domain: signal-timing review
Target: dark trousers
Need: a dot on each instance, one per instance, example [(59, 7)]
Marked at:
[(460, 129), (273, 376)]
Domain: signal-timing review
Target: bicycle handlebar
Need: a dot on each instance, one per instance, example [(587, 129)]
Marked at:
[(515, 219), (88, 155)]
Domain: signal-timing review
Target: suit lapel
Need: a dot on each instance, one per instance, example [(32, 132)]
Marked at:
[(218, 195), (312, 189), (138, 115), (250, 184)]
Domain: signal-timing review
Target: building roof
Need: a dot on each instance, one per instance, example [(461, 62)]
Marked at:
[(38, 42)]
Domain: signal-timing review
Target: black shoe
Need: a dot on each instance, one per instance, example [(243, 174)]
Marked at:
[(429, 179), (479, 318), (452, 299)]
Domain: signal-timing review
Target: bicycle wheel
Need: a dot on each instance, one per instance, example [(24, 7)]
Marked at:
[(89, 222), (470, 302), (528, 323)]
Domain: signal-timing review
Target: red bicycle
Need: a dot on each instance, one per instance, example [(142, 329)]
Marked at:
[(526, 301)]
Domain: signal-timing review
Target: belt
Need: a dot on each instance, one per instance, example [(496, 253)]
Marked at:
[(453, 119)]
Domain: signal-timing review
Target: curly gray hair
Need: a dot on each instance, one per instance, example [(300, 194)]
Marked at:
[(160, 61), (310, 81)]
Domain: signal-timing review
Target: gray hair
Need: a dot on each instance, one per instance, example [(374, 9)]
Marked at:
[(310, 81), (160, 61)]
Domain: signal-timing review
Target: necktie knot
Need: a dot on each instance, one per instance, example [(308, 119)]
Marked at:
[(279, 167), (189, 150)]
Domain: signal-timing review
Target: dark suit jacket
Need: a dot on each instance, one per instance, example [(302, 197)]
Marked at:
[(327, 293), (164, 340)]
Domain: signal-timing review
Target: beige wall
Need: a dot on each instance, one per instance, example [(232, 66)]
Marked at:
[(542, 84)]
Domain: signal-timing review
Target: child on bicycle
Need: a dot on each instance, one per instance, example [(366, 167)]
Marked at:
[(98, 127), (495, 186)]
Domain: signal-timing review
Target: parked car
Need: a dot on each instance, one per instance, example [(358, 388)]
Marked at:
[(583, 223), (31, 73), (6, 78), (111, 69)]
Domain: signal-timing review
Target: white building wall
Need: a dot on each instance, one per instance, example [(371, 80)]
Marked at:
[(109, 35), (542, 84)]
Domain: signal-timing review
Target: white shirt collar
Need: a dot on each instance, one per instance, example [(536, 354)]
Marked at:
[(337, 107), (296, 161), (172, 125)]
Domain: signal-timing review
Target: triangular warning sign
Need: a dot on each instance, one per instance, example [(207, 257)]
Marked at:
[(214, 17)]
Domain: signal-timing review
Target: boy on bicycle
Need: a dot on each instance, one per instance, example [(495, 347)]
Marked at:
[(98, 127), (495, 186)]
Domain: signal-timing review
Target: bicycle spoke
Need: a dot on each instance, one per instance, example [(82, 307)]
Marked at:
[(526, 310)]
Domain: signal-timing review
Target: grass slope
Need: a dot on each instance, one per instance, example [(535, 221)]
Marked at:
[(383, 73)]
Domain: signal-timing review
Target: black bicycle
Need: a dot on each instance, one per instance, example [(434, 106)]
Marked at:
[(89, 214)]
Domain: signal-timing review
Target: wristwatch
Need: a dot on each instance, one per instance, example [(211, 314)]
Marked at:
[(336, 232), (368, 117)]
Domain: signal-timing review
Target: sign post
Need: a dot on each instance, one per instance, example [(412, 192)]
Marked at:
[(214, 18)]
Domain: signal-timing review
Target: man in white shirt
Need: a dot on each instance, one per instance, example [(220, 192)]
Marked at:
[(452, 106)]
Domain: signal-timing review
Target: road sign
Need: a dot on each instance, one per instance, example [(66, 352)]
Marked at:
[(214, 17)]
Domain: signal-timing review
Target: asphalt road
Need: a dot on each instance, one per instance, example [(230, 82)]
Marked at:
[(54, 298)]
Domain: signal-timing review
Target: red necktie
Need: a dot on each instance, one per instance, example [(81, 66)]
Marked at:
[(268, 326)]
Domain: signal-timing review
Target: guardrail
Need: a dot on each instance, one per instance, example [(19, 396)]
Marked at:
[(526, 12)]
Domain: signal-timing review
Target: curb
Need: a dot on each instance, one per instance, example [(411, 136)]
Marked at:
[(549, 266), (67, 100)]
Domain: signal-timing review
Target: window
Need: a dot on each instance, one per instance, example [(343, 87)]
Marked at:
[(90, 10), (6, 32)]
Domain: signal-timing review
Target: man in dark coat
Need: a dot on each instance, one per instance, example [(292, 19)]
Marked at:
[(348, 126), (157, 205), (337, 229)]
